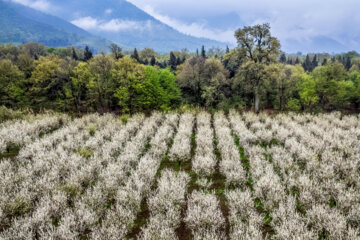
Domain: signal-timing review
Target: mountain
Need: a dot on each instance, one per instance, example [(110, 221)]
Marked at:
[(314, 45), (124, 23), (20, 24)]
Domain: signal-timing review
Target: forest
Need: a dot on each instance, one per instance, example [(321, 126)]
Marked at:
[(255, 75)]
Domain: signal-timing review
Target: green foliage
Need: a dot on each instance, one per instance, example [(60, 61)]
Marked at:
[(78, 90), (307, 91), (355, 78), (12, 82), (46, 84), (9, 114), (92, 129), (18, 207), (258, 48), (293, 105), (328, 85), (101, 86), (85, 152), (70, 79), (124, 118), (71, 190), (144, 88), (203, 81)]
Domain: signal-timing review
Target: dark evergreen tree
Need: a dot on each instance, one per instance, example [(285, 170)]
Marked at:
[(172, 61), (289, 61), (178, 61), (324, 62), (183, 59), (283, 58), (203, 53), (135, 55), (314, 63), (87, 54), (227, 49), (348, 63), (307, 63), (152, 61), (297, 61), (197, 52), (74, 54)]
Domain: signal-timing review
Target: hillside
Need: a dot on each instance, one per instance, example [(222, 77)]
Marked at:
[(124, 23), (20, 24)]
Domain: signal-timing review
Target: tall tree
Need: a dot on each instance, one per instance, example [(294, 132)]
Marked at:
[(314, 63), (283, 58), (152, 61), (12, 87), (202, 81), (324, 62), (203, 52), (77, 91), (87, 54), (227, 49), (172, 61), (74, 54), (348, 63), (101, 87), (46, 85), (116, 51), (307, 92), (135, 55), (307, 65), (258, 48)]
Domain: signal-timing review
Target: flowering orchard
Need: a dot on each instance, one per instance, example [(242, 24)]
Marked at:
[(192, 175)]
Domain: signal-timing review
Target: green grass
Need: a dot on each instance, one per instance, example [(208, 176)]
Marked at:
[(85, 152), (11, 152)]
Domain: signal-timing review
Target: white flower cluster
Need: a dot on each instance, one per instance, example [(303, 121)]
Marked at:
[(181, 149), (62, 174), (267, 184), (90, 178), (165, 206), (118, 221), (204, 216), (127, 159), (288, 223), (21, 132), (92, 204), (244, 220), (230, 165), (238, 125), (204, 161), (327, 173)]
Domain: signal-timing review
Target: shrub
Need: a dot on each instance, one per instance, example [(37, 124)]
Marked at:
[(9, 114)]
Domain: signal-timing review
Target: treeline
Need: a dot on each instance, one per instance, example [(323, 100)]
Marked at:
[(255, 75)]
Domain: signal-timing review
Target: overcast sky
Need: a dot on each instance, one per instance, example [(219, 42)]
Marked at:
[(298, 19)]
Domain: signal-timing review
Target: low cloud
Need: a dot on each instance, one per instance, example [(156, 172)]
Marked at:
[(41, 5), (114, 25), (196, 29), (301, 20), (108, 11)]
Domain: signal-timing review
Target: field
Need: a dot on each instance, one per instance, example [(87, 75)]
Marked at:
[(192, 175)]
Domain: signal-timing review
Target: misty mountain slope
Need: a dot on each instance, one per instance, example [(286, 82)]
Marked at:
[(124, 23), (20, 24), (314, 44)]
